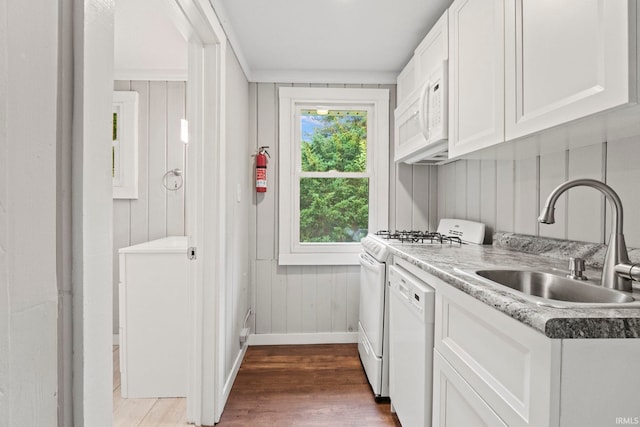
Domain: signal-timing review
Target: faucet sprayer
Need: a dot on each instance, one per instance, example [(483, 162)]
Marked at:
[(617, 270)]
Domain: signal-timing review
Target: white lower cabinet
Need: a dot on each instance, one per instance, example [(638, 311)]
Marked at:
[(507, 364), (492, 370), (154, 319), (455, 403)]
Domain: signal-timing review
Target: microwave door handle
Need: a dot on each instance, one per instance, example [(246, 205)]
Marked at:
[(424, 110)]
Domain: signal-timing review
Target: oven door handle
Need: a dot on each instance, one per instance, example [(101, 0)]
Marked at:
[(370, 263)]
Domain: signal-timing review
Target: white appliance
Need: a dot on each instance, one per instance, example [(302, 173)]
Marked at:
[(373, 325), (411, 317), (421, 122), (372, 336)]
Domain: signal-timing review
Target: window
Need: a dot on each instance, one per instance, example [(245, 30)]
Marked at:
[(334, 160), (124, 145)]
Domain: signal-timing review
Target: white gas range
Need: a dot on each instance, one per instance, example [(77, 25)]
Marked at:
[(373, 327)]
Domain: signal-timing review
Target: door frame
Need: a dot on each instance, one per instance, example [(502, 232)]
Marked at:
[(204, 219)]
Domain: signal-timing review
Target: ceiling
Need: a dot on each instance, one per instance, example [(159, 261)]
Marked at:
[(330, 41)]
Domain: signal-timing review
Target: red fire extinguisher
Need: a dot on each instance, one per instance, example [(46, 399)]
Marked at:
[(261, 169)]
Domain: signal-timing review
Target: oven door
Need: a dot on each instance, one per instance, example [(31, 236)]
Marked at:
[(372, 290)]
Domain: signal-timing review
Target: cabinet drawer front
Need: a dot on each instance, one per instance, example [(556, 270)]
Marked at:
[(506, 362), (455, 403)]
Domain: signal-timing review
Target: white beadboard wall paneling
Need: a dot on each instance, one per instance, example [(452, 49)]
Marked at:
[(488, 199), (511, 193), (353, 298), (253, 144), (474, 190), (294, 299), (553, 172), (623, 175), (312, 299), (139, 220), (460, 194), (324, 283), (278, 297), (420, 205), (156, 213), (404, 191), (309, 298), (451, 189), (157, 159), (505, 195), (267, 125), (263, 296), (586, 209), (176, 104), (526, 196)]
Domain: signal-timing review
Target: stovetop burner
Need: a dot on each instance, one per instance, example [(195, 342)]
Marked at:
[(416, 236)]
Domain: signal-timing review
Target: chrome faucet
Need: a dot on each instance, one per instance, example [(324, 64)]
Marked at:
[(617, 271)]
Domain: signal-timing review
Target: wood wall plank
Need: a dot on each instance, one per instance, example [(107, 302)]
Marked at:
[(140, 206), (157, 159), (404, 190), (553, 172), (324, 293), (585, 215), (623, 175), (526, 196), (263, 296), (505, 189), (460, 193), (473, 192), (278, 298), (488, 189), (176, 110), (309, 298), (420, 198), (353, 298), (294, 299), (266, 202), (339, 299)]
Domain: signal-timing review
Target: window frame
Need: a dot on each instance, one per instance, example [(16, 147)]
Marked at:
[(125, 181), (291, 101)]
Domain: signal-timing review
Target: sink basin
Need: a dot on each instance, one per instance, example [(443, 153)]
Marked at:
[(552, 287)]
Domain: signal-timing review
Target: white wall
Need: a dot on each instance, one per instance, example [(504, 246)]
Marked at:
[(157, 212), (312, 299), (147, 44), (238, 205), (29, 141), (507, 195)]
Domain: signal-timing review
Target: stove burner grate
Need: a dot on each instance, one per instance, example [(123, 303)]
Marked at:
[(422, 237)]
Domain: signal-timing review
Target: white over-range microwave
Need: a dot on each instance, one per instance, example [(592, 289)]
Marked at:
[(421, 122)]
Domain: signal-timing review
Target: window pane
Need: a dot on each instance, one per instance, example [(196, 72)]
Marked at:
[(333, 140), (114, 127), (333, 209)]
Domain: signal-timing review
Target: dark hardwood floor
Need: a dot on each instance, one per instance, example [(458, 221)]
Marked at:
[(304, 385)]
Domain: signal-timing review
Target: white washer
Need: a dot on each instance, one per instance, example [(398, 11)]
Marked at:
[(411, 317)]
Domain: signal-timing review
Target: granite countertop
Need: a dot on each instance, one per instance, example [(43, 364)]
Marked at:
[(446, 261)]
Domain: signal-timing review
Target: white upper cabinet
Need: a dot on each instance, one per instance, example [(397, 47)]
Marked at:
[(476, 75), (432, 51), (566, 60)]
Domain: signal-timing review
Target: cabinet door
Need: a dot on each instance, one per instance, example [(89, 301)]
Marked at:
[(476, 75), (433, 50), (455, 403), (565, 60)]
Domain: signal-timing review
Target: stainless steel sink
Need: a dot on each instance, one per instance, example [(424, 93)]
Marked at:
[(549, 286)]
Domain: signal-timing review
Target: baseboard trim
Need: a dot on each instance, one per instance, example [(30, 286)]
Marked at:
[(116, 339), (232, 376), (310, 338)]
